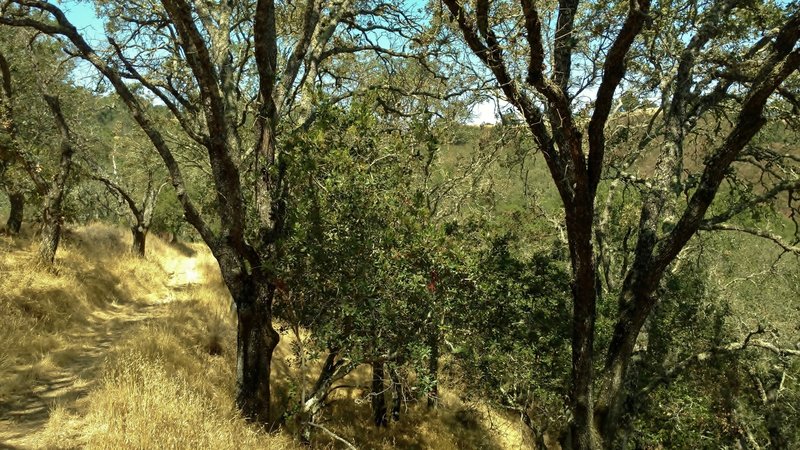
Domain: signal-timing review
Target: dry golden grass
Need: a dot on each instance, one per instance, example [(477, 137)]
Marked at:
[(112, 351), (456, 425)]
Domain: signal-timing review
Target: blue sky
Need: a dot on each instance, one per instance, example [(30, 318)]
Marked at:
[(82, 15)]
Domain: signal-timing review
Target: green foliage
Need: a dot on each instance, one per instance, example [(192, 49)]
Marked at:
[(37, 67), (402, 229), (694, 317), (687, 320), (512, 328), (354, 231)]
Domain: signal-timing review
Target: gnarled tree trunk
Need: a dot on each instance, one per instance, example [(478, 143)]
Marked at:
[(52, 216), (139, 234), (17, 212), (143, 216), (256, 341), (50, 238), (584, 314)]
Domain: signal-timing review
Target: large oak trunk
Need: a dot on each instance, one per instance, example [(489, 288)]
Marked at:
[(139, 234), (584, 295), (51, 231), (256, 342), (15, 216)]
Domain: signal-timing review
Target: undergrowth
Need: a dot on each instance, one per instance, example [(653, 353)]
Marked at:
[(150, 346)]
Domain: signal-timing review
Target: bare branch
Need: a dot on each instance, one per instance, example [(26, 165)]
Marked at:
[(122, 192), (190, 130), (784, 186), (613, 71), (755, 232), (333, 435), (492, 58), (670, 373)]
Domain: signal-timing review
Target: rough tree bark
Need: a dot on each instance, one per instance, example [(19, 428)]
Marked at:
[(256, 342), (139, 234), (17, 212)]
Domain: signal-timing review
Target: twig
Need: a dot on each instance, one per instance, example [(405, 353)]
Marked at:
[(672, 372), (333, 435)]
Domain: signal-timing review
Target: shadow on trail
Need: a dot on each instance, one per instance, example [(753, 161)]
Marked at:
[(68, 374), (183, 248), (65, 375)]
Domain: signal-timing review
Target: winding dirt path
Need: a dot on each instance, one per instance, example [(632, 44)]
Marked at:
[(64, 377)]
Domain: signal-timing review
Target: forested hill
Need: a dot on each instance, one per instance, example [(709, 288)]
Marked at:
[(270, 224)]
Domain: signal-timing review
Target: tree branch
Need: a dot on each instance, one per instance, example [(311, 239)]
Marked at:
[(564, 43), (492, 59), (670, 373), (738, 208), (333, 435), (193, 133), (782, 62), (122, 193), (613, 70), (752, 231)]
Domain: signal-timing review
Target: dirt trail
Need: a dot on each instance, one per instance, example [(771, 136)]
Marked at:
[(64, 377)]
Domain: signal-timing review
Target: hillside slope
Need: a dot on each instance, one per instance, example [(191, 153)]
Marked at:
[(110, 351)]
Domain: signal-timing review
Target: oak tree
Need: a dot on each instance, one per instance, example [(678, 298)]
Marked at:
[(564, 67)]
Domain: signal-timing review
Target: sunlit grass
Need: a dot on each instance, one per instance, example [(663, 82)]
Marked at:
[(131, 353)]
